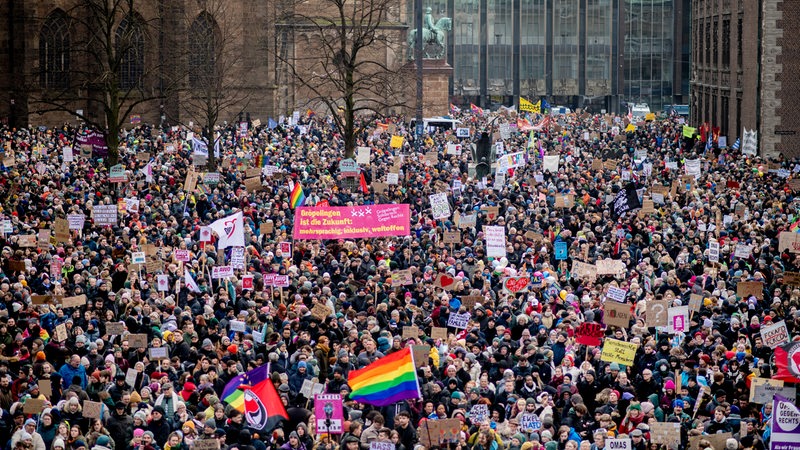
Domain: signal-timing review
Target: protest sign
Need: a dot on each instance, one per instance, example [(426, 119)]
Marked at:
[(657, 313), (468, 221), (76, 221), (159, 353), (756, 382), (45, 388), (589, 333), (617, 314), (137, 340), (115, 328), (92, 410), (469, 301), (61, 332), (666, 433), (104, 214), (785, 430), (411, 332), (221, 272), (529, 422), (495, 241), (478, 413), (206, 444), (618, 351), (452, 237), (678, 319), (402, 278), (516, 284), (745, 289), (762, 393), (238, 326), (332, 403), (421, 355), (458, 320), (33, 406), (619, 444), (438, 333), (320, 311), (616, 294), (440, 207), (775, 334), (695, 302), (71, 302), (323, 222), (584, 271), (791, 278), (610, 267), (61, 227)]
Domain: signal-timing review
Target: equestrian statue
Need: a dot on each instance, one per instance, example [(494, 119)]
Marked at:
[(433, 36)]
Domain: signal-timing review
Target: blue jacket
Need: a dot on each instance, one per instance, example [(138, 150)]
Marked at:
[(67, 372)]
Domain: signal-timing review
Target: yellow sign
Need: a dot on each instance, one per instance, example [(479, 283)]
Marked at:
[(630, 128), (688, 132), (396, 142), (525, 105), (650, 116), (618, 351)]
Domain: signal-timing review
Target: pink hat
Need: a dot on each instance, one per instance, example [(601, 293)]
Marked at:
[(137, 433)]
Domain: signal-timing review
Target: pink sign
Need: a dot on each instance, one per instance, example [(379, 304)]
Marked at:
[(329, 413), (352, 222)]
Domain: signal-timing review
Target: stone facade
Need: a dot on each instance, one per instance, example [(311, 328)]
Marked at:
[(786, 127), (166, 48)]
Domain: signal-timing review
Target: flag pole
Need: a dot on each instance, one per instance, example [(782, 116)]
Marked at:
[(416, 378)]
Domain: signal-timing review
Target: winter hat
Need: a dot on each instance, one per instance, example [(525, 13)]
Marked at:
[(731, 444), (25, 436), (135, 397), (103, 441), (189, 424), (58, 442), (669, 385), (137, 433)]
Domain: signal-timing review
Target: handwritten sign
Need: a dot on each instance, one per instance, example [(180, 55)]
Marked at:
[(74, 301), (657, 313), (137, 340), (618, 351), (775, 334), (610, 267), (439, 333), (666, 433), (617, 314), (402, 278), (458, 320), (745, 289), (159, 353), (92, 410), (411, 332)]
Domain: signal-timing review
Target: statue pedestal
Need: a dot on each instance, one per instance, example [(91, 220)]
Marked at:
[(436, 75)]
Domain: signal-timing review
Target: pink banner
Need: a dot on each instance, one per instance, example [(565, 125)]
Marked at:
[(352, 222)]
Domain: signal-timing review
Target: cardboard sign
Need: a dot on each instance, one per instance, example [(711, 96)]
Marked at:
[(253, 184), (775, 334), (159, 353), (452, 237), (237, 326), (469, 301), (610, 267), (320, 312), (789, 240), (617, 314), (667, 433), (27, 241), (657, 313), (115, 328), (40, 299), (565, 200), (584, 271), (72, 302), (619, 352), (745, 289), (45, 388), (695, 302), (411, 332), (62, 230), (33, 406), (445, 281), (791, 278), (205, 444), (137, 340), (439, 333), (92, 410), (478, 413), (468, 221), (61, 332), (402, 278)]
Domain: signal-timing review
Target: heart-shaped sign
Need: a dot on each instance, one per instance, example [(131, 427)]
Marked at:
[(796, 359), (446, 281), (516, 284)]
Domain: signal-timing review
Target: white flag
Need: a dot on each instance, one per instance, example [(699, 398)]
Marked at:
[(190, 283), (147, 171), (199, 147), (230, 231)]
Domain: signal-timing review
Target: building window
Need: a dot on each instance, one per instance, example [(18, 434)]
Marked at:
[(726, 43), (54, 48), (739, 43), (699, 52), (203, 37), (708, 43), (725, 113), (715, 40), (130, 50)]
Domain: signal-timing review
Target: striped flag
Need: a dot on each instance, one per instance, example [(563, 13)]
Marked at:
[(737, 144)]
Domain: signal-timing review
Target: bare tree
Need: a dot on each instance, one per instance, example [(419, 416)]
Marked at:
[(352, 63), (215, 70), (109, 70)]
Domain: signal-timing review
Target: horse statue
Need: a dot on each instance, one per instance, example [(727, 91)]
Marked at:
[(433, 36)]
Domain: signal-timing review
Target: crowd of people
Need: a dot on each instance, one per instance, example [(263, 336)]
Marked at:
[(518, 354)]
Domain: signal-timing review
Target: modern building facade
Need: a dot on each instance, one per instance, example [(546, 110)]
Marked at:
[(746, 62), (579, 53)]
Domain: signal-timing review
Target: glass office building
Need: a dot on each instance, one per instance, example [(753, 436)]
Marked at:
[(577, 53)]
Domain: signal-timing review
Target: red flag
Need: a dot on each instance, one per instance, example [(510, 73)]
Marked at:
[(263, 408), (787, 358), (363, 183)]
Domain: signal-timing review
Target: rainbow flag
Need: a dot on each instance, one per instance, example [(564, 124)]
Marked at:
[(298, 197), (475, 109), (234, 396), (388, 380), (795, 224)]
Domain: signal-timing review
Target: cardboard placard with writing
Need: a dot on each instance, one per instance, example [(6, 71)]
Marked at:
[(617, 314), (320, 312), (74, 301), (253, 172), (584, 271), (115, 328), (253, 184), (452, 237), (745, 289), (469, 301), (402, 277), (421, 355), (565, 200), (794, 184), (61, 332), (190, 183), (789, 240), (379, 187), (791, 278), (137, 340), (695, 302), (266, 227), (27, 241), (205, 444), (40, 299), (62, 230), (610, 267), (597, 164), (666, 433), (411, 332), (656, 313), (92, 410)]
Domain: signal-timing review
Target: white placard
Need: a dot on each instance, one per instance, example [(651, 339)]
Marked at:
[(205, 234), (458, 320), (550, 162), (617, 294), (221, 272), (76, 221), (362, 157), (495, 241), (462, 132), (163, 283), (775, 334), (67, 152), (138, 258), (678, 319), (440, 207), (238, 325), (237, 257), (454, 149), (713, 251), (743, 251), (619, 444), (392, 178)]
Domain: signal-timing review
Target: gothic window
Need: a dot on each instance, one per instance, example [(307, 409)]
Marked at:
[(130, 48), (54, 48), (203, 43)]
